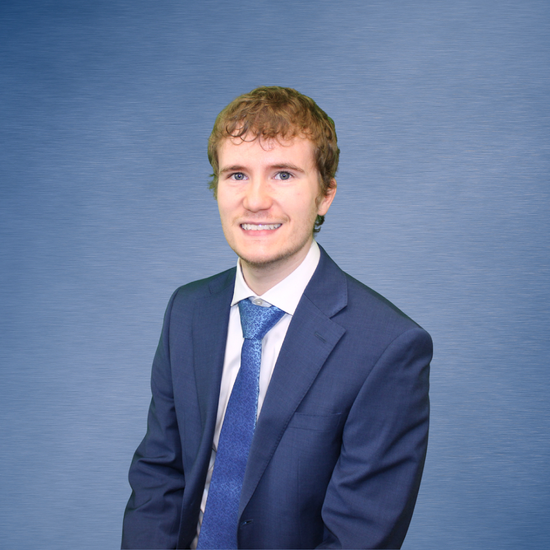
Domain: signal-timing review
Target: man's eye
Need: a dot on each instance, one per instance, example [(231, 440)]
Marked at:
[(238, 176), (283, 176)]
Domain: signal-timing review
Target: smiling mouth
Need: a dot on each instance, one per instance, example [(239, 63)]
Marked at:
[(260, 226)]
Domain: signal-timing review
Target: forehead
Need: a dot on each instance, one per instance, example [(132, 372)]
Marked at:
[(266, 150)]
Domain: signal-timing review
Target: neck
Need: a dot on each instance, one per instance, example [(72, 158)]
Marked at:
[(262, 277)]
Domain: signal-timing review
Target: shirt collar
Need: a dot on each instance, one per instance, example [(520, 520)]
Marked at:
[(286, 294)]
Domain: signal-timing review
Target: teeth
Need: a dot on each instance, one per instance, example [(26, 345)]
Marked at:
[(259, 227)]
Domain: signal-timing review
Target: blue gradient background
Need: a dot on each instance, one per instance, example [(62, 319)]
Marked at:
[(442, 111)]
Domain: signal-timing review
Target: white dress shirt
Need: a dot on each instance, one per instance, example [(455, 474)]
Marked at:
[(286, 296)]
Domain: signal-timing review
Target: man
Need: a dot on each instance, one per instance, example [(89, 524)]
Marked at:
[(325, 445)]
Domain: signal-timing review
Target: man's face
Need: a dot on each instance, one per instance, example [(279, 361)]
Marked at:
[(269, 197)]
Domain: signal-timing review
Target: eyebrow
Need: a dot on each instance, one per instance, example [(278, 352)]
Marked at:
[(287, 167), (284, 166), (234, 168)]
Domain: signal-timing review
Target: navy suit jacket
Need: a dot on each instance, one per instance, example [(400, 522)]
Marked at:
[(341, 439)]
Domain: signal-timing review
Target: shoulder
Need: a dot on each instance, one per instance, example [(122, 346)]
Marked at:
[(186, 296), (362, 308), (363, 297), (369, 311)]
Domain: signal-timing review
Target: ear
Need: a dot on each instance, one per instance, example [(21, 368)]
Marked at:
[(326, 200)]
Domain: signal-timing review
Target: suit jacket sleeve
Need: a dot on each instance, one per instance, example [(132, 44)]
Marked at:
[(152, 516), (373, 489)]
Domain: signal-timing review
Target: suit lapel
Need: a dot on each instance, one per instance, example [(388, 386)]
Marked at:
[(210, 325), (310, 339)]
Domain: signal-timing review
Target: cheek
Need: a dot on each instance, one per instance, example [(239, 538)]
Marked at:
[(226, 204)]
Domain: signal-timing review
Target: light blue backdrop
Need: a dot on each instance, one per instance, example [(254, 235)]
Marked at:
[(442, 111)]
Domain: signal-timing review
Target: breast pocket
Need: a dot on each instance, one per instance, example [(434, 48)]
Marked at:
[(315, 422), (314, 436)]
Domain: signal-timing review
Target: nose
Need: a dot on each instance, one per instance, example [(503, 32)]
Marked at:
[(257, 196)]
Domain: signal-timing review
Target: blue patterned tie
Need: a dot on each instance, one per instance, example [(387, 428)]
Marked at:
[(219, 524)]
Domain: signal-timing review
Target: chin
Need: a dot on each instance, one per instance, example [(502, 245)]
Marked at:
[(270, 254), (259, 260)]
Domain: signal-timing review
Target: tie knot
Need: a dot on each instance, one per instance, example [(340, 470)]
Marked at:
[(257, 321)]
